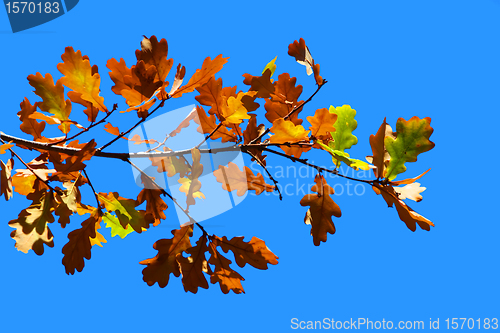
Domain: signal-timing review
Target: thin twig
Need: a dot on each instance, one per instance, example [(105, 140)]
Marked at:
[(267, 171), (131, 128), (303, 161), (92, 125), (93, 189), (208, 136), (291, 112), (32, 170), (165, 193)]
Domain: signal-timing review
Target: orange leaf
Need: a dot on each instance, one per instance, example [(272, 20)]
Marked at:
[(79, 244), (322, 123), (156, 56), (30, 126), (232, 178), (208, 125), (378, 149), (301, 53), (406, 214), (6, 179), (284, 99), (286, 132), (322, 208), (201, 76), (193, 267), (408, 181), (171, 164), (227, 278), (74, 163), (160, 267), (254, 253), (154, 203), (53, 98), (82, 78), (261, 84), (252, 132)]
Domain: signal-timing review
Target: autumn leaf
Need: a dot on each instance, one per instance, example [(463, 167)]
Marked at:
[(261, 84), (4, 147), (31, 226), (79, 244), (411, 191), (157, 57), (75, 162), (251, 132), (80, 77), (125, 211), (208, 125), (322, 123), (286, 131), (172, 165), (409, 180), (406, 214), (193, 267), (191, 185), (227, 278), (255, 252), (160, 267), (99, 238), (338, 155), (24, 180), (344, 126), (271, 66), (67, 202), (119, 71), (284, 99), (412, 138), (322, 208), (154, 203), (378, 148), (301, 53), (30, 126), (179, 78), (117, 229), (201, 76), (232, 178), (53, 98), (6, 179)]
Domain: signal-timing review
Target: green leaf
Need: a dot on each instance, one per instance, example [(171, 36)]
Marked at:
[(344, 126), (125, 211), (271, 66), (116, 228), (412, 138), (338, 155)]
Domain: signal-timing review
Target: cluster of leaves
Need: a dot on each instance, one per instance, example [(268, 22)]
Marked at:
[(52, 180)]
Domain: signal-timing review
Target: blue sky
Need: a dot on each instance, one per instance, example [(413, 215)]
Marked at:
[(437, 59)]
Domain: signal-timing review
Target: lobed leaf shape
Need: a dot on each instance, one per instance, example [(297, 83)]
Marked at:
[(172, 165), (28, 125), (114, 224), (300, 51), (411, 191), (154, 203), (208, 125), (406, 214), (80, 244), (160, 267), (233, 179), (75, 162), (201, 76), (321, 209), (261, 84), (53, 98), (6, 179), (67, 203), (344, 126), (286, 132), (378, 148), (4, 147), (412, 139), (193, 267), (191, 185), (82, 79), (223, 274), (322, 123), (251, 132), (284, 99), (125, 211), (234, 111), (31, 227), (156, 56), (255, 252), (99, 238)]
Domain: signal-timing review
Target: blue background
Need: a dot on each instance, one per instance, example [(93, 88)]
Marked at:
[(384, 58)]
